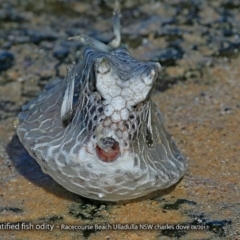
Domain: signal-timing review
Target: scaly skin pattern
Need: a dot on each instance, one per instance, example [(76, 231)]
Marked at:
[(111, 145)]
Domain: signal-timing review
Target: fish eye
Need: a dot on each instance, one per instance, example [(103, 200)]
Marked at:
[(148, 76), (102, 66)]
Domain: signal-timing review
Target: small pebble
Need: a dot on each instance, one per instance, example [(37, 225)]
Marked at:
[(6, 60), (60, 52)]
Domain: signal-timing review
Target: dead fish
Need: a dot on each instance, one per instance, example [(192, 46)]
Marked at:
[(97, 132)]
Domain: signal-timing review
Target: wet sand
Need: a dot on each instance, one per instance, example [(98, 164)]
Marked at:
[(198, 93)]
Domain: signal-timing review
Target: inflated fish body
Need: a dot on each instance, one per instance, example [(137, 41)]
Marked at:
[(97, 133)]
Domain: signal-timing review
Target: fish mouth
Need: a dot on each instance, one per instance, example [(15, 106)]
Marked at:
[(108, 149)]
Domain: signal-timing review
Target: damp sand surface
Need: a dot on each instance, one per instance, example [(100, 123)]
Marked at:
[(198, 93)]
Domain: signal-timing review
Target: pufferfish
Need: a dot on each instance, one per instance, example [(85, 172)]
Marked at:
[(97, 132)]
